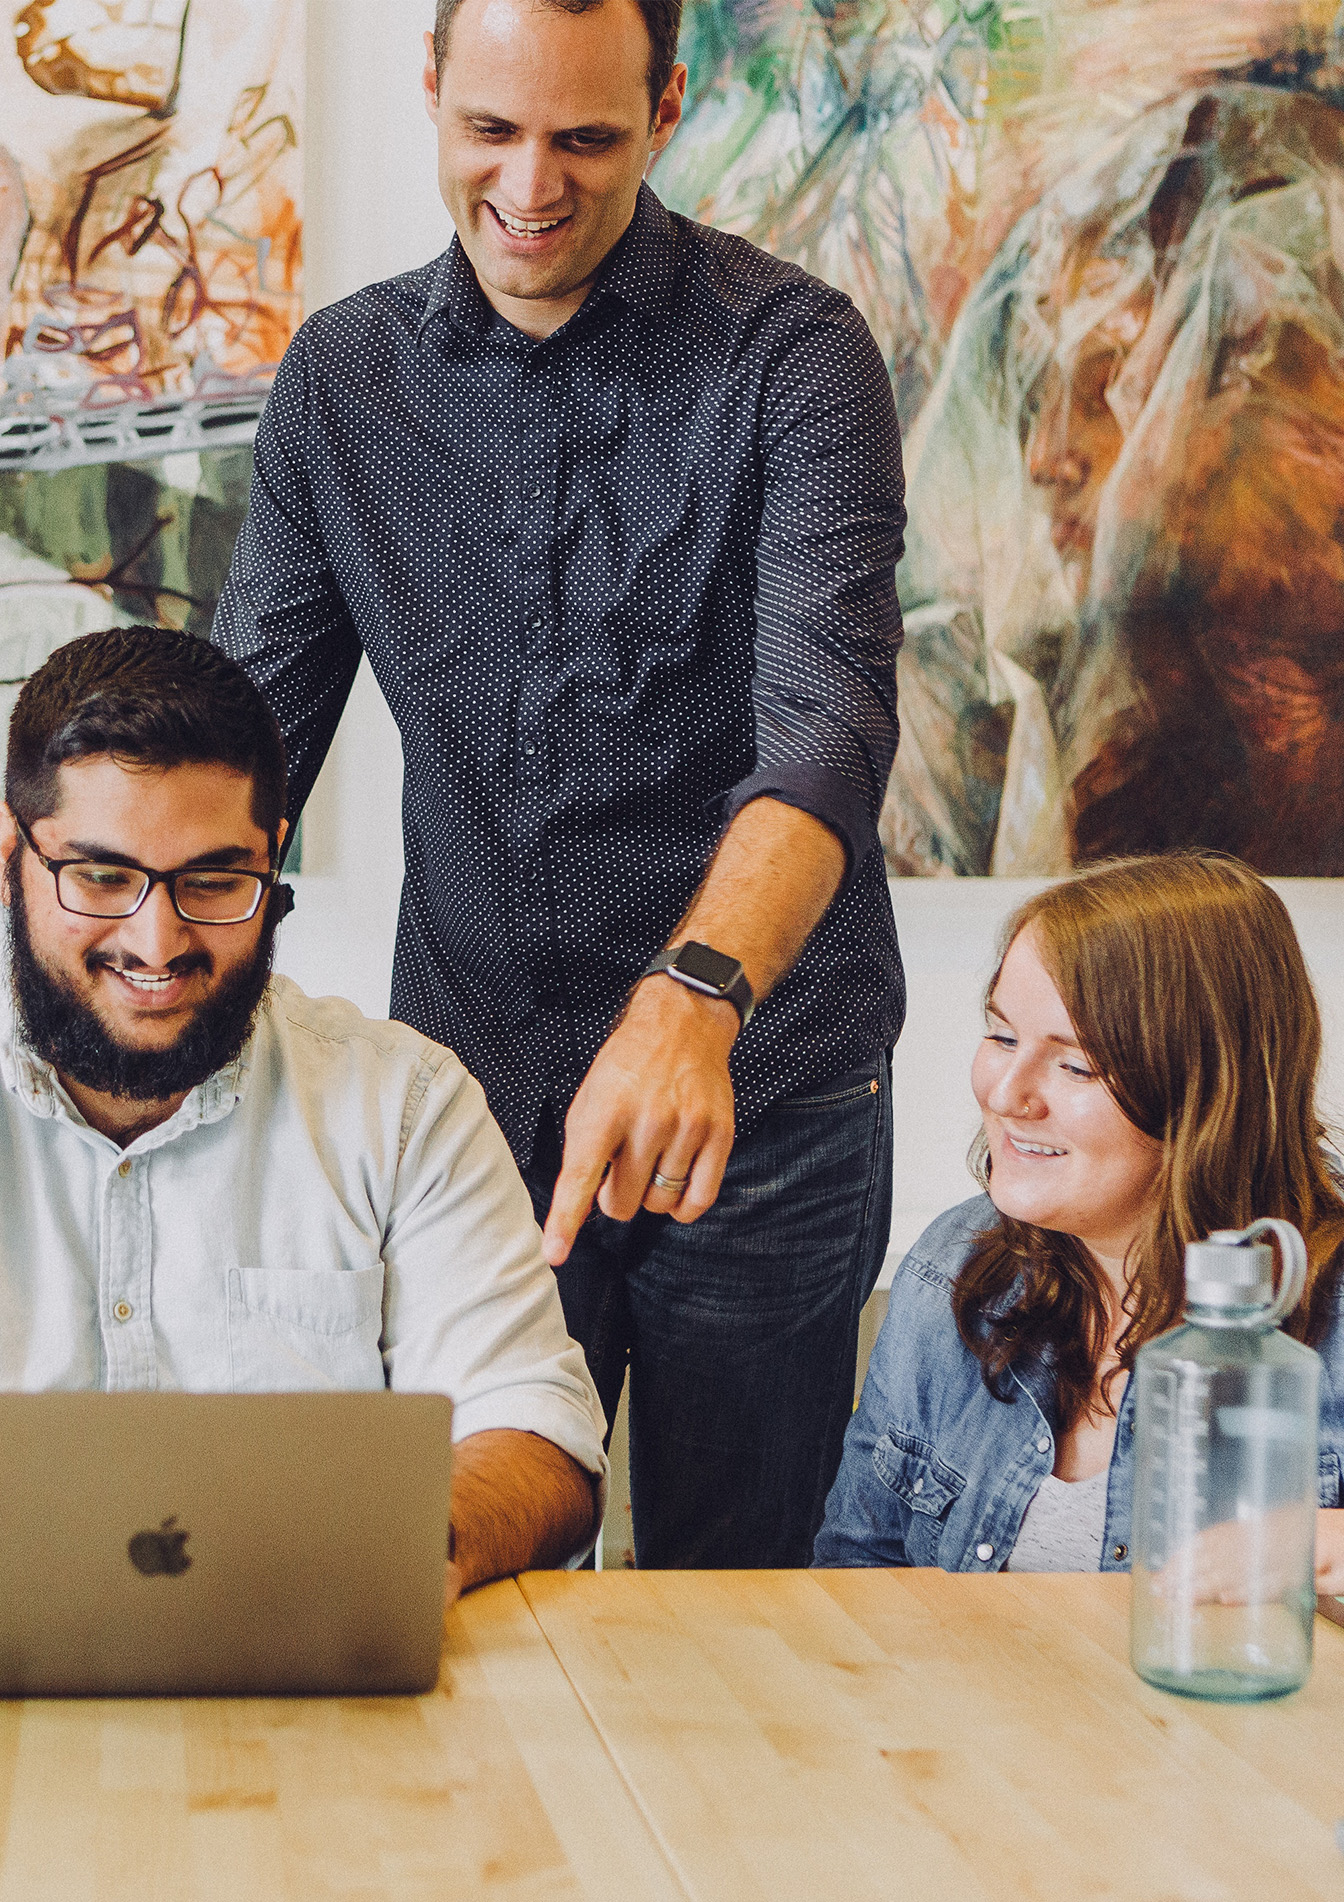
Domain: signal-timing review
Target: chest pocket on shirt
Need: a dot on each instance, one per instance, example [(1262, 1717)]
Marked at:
[(924, 1483), (294, 1329), (1328, 1481)]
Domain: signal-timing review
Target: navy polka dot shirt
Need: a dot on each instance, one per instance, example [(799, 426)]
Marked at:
[(614, 584)]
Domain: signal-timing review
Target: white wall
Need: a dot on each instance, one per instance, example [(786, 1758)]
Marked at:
[(373, 209)]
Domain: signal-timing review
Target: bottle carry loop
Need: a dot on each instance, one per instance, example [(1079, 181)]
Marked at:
[(1230, 1277)]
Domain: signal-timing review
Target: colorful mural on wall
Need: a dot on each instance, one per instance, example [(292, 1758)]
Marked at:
[(150, 278), (1101, 243)]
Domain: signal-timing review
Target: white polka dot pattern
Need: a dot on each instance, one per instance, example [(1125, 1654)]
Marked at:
[(613, 584)]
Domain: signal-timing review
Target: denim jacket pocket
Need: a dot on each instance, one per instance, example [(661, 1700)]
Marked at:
[(913, 1471), (1328, 1480), (293, 1329)]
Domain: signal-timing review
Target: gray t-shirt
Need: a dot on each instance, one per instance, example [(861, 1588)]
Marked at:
[(1063, 1527)]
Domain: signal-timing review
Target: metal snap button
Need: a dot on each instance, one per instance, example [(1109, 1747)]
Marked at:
[(984, 1552), (123, 1310), (125, 1168), (1042, 1446), (1120, 1553)]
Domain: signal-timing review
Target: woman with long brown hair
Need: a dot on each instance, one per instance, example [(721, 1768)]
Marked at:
[(1147, 1075)]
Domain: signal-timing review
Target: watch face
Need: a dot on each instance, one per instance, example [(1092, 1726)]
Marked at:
[(706, 966)]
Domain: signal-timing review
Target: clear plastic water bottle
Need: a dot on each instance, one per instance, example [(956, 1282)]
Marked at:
[(1225, 1479)]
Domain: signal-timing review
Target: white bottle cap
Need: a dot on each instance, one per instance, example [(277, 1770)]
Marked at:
[(1230, 1277), (1226, 1272)]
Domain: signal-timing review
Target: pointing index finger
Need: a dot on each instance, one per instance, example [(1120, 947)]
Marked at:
[(580, 1177)]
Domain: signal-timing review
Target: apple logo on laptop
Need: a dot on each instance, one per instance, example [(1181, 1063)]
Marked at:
[(160, 1554)]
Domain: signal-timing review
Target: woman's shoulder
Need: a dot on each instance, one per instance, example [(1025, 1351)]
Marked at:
[(920, 1365), (1330, 1346), (946, 1244)]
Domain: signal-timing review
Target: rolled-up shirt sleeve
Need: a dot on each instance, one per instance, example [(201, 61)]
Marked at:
[(282, 615), (828, 621), (470, 1306)]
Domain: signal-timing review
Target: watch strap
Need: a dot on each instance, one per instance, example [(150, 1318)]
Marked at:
[(736, 990)]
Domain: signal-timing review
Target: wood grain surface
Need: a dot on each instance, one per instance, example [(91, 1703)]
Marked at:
[(495, 1785), (915, 1734), (646, 1737)]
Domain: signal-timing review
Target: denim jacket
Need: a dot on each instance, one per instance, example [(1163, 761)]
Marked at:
[(936, 1471)]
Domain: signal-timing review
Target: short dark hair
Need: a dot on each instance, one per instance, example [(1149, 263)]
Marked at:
[(661, 17), (147, 695)]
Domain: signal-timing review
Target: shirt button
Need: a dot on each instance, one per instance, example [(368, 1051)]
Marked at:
[(984, 1553), (536, 626), (536, 492), (1042, 1446), (1120, 1553), (125, 1168), (530, 748), (123, 1310), (918, 1486)]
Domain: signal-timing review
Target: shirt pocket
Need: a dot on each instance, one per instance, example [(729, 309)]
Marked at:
[(1328, 1480), (926, 1485), (296, 1329)]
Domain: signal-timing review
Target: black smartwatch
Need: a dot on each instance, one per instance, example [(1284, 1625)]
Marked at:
[(711, 973)]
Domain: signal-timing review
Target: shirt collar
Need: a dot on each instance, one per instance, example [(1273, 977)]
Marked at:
[(37, 1086), (641, 267), (638, 272)]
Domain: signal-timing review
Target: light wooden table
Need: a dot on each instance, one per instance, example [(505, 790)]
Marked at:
[(496, 1785), (626, 1736), (915, 1734)]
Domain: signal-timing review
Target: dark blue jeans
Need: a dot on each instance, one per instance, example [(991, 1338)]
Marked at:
[(740, 1330)]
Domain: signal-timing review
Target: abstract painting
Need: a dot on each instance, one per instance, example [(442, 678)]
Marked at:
[(1101, 244), (150, 278)]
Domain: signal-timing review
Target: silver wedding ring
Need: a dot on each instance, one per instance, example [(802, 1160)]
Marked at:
[(669, 1182)]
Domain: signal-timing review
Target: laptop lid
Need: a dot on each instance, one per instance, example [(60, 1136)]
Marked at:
[(171, 1544)]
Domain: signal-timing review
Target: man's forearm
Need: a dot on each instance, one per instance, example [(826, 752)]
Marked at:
[(519, 1503), (775, 872)]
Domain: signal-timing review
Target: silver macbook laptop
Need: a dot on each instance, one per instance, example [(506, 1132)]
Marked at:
[(168, 1544)]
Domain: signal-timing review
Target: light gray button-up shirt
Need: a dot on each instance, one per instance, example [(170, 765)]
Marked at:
[(337, 1208)]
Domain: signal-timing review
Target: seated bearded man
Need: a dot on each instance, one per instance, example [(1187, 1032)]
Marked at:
[(213, 1182)]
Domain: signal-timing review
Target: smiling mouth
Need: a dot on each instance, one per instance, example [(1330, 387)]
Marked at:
[(525, 227), (1035, 1149), (143, 982), (153, 987)]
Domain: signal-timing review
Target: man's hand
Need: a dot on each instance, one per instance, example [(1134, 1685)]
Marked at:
[(657, 1098), (658, 1095)]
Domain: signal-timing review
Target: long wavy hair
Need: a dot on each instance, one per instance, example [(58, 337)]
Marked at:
[(1189, 994)]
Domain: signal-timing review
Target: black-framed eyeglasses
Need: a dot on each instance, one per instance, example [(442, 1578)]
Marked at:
[(201, 895)]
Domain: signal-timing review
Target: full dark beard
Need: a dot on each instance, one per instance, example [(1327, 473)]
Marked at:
[(67, 1034)]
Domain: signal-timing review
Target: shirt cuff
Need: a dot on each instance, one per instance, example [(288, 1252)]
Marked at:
[(826, 794), (549, 1416)]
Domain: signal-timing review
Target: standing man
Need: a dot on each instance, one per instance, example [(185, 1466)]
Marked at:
[(613, 504)]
